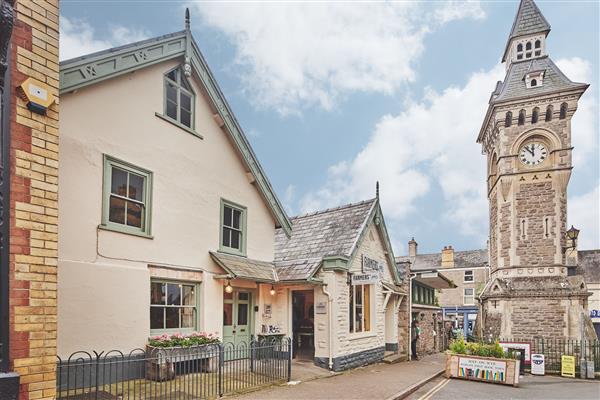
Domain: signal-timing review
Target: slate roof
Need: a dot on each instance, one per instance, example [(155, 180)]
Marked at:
[(462, 259), (589, 265), (332, 232), (529, 20), (242, 267), (514, 87)]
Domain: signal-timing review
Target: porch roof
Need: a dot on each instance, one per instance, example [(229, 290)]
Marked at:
[(246, 268), (434, 280), (393, 288)]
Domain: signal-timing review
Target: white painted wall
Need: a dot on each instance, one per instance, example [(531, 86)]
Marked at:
[(103, 280)]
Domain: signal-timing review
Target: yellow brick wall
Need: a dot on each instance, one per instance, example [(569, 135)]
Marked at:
[(34, 202)]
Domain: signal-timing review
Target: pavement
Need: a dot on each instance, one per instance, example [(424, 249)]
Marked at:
[(530, 388), (377, 381)]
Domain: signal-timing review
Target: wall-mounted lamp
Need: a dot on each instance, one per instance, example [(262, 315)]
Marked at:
[(228, 287), (572, 235), (272, 291)]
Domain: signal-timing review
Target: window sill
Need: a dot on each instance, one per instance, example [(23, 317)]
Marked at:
[(362, 335), (232, 252), (125, 231), (179, 125)]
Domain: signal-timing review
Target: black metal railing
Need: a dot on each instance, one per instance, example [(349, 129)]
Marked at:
[(201, 372), (554, 349)]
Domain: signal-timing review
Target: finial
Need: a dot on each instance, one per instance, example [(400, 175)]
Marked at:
[(377, 189), (187, 19)]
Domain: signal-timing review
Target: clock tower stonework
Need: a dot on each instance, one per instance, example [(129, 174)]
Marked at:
[(526, 137)]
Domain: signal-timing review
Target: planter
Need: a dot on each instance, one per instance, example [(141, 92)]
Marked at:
[(164, 363), (482, 369)]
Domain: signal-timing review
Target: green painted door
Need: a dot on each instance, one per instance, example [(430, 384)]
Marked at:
[(237, 324)]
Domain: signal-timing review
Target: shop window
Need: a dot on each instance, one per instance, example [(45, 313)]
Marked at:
[(360, 308), (173, 306), (179, 99), (468, 276), (233, 228), (126, 198), (469, 297)]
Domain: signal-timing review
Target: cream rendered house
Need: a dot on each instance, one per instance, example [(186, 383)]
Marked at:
[(169, 224)]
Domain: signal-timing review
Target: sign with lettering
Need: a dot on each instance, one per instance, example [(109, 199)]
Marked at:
[(594, 313), (482, 369), (321, 307), (525, 346), (369, 265), (538, 364), (365, 279), (567, 366)]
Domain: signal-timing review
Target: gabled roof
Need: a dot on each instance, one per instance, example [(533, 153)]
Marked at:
[(529, 20), (462, 259), (96, 67), (245, 268), (334, 232)]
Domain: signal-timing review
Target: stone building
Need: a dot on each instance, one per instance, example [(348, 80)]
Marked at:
[(29, 195), (526, 137), (588, 265), (467, 270)]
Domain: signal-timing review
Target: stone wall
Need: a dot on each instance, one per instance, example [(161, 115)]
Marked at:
[(430, 330), (34, 203), (455, 297), (537, 318)]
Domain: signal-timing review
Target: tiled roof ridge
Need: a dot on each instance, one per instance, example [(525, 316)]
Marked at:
[(435, 254), (332, 209)]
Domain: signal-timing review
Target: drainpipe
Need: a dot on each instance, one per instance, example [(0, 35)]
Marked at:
[(411, 277), (330, 301)]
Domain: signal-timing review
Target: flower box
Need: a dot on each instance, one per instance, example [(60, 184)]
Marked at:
[(170, 355), (484, 369)]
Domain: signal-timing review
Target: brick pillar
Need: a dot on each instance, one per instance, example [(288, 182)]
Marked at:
[(34, 203)]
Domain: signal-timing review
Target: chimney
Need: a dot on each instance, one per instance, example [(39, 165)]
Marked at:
[(412, 248), (447, 257)]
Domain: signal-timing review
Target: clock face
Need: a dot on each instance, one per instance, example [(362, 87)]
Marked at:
[(533, 153)]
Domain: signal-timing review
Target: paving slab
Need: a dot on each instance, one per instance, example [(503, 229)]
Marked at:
[(377, 381)]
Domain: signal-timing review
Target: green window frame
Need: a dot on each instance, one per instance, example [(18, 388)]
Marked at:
[(124, 208), (174, 306), (179, 99), (232, 228)]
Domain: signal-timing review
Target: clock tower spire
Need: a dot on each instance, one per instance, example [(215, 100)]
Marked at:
[(526, 137)]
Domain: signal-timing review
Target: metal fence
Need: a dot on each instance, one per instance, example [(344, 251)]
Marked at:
[(554, 349), (202, 372)]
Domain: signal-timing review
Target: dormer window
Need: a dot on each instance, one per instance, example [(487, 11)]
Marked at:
[(534, 79), (179, 98)]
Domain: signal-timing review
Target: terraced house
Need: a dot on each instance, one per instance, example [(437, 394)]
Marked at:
[(169, 223)]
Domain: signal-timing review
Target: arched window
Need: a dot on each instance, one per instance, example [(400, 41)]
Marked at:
[(494, 165), (535, 115), (528, 46), (520, 47), (549, 112), (508, 119), (538, 44), (563, 111), (522, 117), (533, 82)]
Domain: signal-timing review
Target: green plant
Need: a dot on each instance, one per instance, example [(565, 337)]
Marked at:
[(180, 340), (459, 346)]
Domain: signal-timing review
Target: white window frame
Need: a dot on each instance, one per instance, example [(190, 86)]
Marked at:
[(469, 296), (352, 309)]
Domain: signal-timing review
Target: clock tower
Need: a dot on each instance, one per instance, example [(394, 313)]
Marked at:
[(526, 137)]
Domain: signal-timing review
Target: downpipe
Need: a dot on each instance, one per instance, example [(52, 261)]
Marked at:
[(330, 302)]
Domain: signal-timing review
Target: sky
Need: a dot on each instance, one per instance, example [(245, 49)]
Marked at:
[(335, 96)]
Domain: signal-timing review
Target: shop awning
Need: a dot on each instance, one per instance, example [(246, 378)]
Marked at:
[(245, 268), (434, 280), (393, 288)]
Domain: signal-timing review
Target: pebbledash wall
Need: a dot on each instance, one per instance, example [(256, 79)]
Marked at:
[(105, 276), (34, 202), (354, 349)]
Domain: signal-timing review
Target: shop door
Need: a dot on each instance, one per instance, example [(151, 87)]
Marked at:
[(236, 317)]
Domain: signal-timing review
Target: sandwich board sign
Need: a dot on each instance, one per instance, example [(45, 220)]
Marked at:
[(567, 366), (538, 364)]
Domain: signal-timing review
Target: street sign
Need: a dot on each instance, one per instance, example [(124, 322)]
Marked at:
[(567, 366), (538, 364), (365, 279)]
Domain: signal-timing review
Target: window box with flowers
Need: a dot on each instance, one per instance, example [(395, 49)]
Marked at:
[(198, 350)]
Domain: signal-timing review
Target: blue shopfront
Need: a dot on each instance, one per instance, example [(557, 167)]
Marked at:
[(462, 317)]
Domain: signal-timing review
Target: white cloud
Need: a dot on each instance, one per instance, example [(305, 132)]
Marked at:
[(298, 55), (430, 144), (78, 37), (584, 213)]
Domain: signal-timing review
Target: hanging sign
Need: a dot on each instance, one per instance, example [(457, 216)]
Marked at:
[(567, 366), (365, 279)]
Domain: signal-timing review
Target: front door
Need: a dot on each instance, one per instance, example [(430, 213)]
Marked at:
[(236, 317)]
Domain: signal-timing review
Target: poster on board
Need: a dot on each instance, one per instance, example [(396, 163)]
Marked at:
[(567, 366), (482, 369), (526, 346)]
